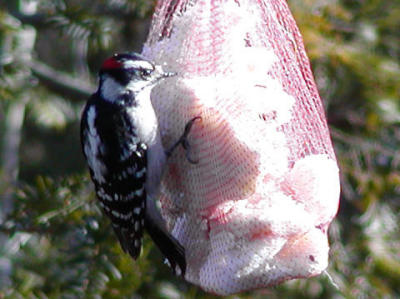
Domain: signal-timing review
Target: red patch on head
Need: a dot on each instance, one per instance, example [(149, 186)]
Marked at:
[(111, 63)]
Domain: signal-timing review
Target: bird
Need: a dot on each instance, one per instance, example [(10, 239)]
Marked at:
[(121, 142)]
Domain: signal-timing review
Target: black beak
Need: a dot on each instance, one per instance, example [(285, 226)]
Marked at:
[(159, 73)]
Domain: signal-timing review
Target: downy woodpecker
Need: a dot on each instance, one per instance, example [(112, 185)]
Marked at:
[(122, 145)]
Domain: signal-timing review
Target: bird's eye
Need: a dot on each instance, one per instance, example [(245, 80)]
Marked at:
[(145, 73)]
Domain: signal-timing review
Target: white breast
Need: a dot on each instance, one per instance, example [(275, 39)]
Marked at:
[(92, 147)]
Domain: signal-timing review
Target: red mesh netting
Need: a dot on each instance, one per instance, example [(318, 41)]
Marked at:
[(254, 211)]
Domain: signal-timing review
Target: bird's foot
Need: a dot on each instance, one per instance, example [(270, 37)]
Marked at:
[(184, 142)]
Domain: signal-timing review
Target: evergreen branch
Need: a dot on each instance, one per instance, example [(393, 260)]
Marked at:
[(36, 20), (360, 143), (62, 211), (62, 83), (26, 229)]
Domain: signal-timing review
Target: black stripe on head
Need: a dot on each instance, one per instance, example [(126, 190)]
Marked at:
[(124, 67)]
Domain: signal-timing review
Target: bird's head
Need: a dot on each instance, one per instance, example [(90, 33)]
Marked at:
[(128, 73)]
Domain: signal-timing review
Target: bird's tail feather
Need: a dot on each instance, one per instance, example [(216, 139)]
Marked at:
[(169, 247)]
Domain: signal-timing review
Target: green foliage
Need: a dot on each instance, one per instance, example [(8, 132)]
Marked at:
[(56, 242)]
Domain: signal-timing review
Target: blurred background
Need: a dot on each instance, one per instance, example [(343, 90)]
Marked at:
[(54, 241)]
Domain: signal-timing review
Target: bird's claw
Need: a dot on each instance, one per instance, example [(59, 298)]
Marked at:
[(184, 142)]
